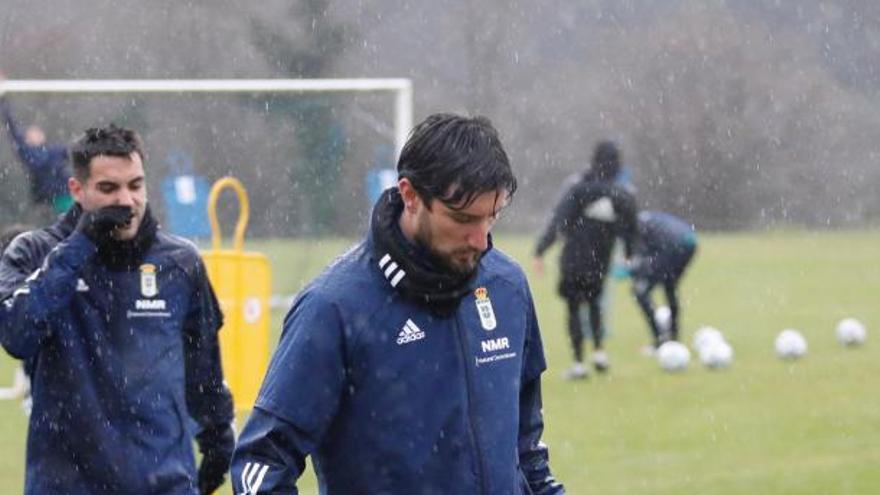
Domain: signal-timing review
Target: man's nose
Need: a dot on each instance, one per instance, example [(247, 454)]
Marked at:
[(124, 197), (478, 237)]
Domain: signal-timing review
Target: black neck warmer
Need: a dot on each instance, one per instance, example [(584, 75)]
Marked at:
[(411, 269), (115, 254)]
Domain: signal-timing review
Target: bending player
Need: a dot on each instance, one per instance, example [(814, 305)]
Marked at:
[(666, 245)]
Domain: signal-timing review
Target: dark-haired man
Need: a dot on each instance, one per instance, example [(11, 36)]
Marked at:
[(117, 325), (413, 363), (591, 215)]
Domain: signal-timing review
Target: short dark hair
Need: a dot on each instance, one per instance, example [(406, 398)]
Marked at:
[(103, 141), (455, 159)]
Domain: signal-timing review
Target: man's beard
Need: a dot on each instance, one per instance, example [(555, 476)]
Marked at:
[(424, 239)]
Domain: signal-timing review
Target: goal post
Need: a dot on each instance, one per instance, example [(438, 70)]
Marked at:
[(401, 88)]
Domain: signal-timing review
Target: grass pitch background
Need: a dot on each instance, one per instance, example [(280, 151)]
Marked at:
[(763, 426)]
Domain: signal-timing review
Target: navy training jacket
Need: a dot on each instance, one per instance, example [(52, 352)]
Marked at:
[(121, 363), (388, 398)]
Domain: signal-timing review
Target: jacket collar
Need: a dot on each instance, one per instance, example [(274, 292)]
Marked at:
[(411, 269)]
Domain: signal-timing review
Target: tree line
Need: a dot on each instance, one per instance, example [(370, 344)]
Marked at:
[(731, 114)]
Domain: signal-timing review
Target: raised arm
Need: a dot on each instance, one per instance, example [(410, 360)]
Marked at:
[(15, 133)]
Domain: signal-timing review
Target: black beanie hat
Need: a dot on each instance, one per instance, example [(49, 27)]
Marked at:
[(606, 160)]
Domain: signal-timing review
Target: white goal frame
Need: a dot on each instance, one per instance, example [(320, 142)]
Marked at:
[(402, 89)]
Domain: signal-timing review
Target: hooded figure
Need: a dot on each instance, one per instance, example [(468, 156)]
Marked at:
[(590, 216)]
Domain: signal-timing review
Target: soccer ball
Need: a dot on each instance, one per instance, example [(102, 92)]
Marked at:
[(673, 356), (663, 318), (851, 332), (790, 344), (716, 354), (705, 336)]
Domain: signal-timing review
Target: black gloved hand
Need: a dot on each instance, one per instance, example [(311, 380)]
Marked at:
[(99, 224), (216, 445)]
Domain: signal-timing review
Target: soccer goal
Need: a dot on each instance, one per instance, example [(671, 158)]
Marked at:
[(401, 88), (316, 138)]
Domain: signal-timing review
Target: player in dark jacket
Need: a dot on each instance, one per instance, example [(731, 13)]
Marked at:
[(665, 247), (46, 165), (412, 364), (117, 324), (591, 215)]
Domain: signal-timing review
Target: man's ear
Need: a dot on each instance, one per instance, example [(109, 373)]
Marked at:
[(76, 189), (411, 199)]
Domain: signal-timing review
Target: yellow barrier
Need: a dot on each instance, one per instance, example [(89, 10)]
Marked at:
[(243, 285)]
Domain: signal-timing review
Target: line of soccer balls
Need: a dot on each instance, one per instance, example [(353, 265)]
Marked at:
[(715, 352)]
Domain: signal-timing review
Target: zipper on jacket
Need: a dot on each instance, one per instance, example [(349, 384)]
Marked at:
[(462, 345)]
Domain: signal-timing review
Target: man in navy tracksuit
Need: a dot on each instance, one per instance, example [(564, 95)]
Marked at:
[(412, 364), (591, 215), (665, 247), (116, 323), (46, 164)]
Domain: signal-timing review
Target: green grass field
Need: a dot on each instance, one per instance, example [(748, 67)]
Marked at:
[(763, 426)]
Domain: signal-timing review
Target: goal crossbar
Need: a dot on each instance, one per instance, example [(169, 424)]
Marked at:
[(401, 87)]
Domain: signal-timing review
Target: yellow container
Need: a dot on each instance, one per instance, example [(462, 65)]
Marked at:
[(243, 284)]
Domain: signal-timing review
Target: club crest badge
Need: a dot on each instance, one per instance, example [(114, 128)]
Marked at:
[(484, 308), (149, 287)]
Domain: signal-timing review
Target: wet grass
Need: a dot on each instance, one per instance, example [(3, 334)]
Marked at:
[(763, 426)]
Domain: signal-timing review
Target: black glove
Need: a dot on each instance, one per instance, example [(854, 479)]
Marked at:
[(98, 225), (216, 444)]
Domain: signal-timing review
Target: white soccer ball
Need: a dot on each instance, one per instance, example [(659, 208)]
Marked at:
[(790, 344), (851, 332), (663, 318), (673, 356), (716, 354), (705, 336)]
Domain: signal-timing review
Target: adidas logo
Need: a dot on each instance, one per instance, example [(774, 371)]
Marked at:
[(410, 333), (392, 272)]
